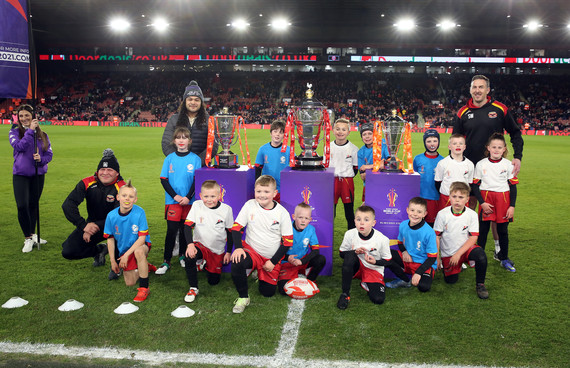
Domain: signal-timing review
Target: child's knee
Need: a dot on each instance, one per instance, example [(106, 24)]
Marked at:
[(451, 279), (377, 298)]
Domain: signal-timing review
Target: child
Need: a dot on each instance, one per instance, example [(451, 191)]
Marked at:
[(212, 222), (269, 234), (365, 153), (454, 167), (365, 252), (425, 164), (177, 179), (128, 242), (344, 159), (270, 160), (457, 228), (418, 248), (304, 254), (494, 186)]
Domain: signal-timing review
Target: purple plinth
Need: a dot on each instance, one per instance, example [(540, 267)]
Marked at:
[(316, 188), (236, 184), (389, 194)]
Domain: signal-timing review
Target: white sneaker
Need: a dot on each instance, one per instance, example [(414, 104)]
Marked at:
[(162, 269), (35, 239), (28, 245), (191, 296), (240, 305), (182, 262)]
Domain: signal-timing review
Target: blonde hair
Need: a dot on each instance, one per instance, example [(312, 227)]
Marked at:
[(210, 184), (266, 181), (128, 185), (342, 121), (459, 186)]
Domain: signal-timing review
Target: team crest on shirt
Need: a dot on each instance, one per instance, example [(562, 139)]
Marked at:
[(465, 228), (275, 225), (219, 224), (110, 198), (190, 168), (419, 245), (306, 242), (422, 170), (492, 115), (135, 229), (265, 159)]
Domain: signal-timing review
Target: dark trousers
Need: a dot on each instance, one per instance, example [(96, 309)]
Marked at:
[(27, 193), (74, 247)]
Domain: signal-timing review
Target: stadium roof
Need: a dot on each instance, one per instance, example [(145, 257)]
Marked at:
[(484, 23)]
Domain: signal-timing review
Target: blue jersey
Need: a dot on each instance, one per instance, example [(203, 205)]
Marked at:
[(180, 170), (126, 229), (303, 241), (419, 243), (425, 166), (273, 161), (366, 157)]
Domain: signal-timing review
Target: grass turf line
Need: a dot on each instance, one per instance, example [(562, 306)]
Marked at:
[(522, 324)]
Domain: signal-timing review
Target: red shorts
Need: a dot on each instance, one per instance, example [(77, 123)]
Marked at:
[(452, 270), (289, 272), (432, 210), (501, 203), (258, 262), (176, 212), (277, 197), (368, 275), (343, 189), (214, 261), (443, 202), (132, 262), (411, 267)]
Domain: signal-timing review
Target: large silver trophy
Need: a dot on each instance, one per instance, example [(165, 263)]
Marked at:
[(226, 126), (393, 130), (308, 119)]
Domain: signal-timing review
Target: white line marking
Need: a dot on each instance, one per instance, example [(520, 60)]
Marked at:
[(290, 331)]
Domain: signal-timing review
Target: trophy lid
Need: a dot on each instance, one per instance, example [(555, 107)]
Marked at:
[(309, 102)]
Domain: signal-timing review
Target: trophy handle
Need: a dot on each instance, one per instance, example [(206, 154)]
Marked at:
[(210, 141), (327, 146), (240, 122)]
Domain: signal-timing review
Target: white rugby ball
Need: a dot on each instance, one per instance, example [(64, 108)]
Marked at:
[(301, 288)]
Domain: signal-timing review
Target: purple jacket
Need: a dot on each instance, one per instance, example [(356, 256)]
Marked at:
[(24, 163)]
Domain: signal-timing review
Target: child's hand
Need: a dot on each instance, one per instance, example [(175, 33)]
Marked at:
[(177, 198), (123, 261), (191, 251), (360, 250), (227, 257), (439, 264), (184, 201), (510, 213), (237, 255), (454, 260), (487, 208), (406, 257), (294, 261), (115, 266), (368, 258), (416, 279), (268, 266)]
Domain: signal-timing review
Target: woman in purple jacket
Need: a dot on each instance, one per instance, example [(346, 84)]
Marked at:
[(27, 185)]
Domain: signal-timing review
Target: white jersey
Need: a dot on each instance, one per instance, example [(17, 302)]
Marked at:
[(449, 170), (264, 227), (454, 230), (344, 158), (378, 246), (210, 225), (494, 175)]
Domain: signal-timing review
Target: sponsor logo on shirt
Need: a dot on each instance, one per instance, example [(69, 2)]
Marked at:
[(117, 230), (470, 115), (190, 168), (492, 115), (110, 198), (135, 229), (306, 242)]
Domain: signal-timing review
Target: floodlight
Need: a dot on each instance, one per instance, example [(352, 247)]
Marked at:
[(160, 24), (447, 24), (239, 24), (119, 24), (405, 24), (532, 25), (280, 24)]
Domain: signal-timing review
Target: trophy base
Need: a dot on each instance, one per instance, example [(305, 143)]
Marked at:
[(308, 163), (226, 161), (392, 166)]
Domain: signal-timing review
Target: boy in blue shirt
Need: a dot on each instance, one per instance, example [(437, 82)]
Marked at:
[(126, 230), (425, 164), (304, 254), (365, 153), (417, 254), (270, 160)]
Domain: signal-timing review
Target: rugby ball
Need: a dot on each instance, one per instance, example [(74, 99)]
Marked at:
[(301, 288)]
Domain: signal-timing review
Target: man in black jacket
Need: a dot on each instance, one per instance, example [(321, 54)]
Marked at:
[(100, 193)]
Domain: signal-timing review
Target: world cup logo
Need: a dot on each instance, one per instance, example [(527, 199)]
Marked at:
[(222, 192), (306, 194), (392, 196)]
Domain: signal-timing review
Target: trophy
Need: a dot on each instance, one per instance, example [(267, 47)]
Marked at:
[(395, 130), (223, 128), (308, 119)]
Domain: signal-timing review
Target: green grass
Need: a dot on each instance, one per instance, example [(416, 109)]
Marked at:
[(524, 323)]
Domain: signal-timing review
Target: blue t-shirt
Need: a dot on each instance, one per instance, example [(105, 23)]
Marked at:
[(419, 243), (425, 166), (180, 170), (126, 229), (366, 157), (302, 242), (273, 161)]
